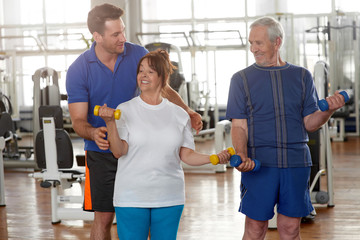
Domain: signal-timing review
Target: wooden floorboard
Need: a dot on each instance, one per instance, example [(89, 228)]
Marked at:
[(211, 206)]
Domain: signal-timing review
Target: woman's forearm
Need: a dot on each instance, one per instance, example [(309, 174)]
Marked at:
[(118, 146)]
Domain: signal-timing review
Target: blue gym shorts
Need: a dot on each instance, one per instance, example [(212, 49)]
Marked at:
[(286, 187), (135, 223)]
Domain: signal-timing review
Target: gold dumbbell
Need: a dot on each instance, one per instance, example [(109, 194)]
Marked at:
[(117, 112)]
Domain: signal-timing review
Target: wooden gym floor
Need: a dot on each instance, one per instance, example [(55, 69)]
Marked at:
[(210, 212)]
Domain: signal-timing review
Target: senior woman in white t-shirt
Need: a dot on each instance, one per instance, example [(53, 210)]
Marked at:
[(151, 138)]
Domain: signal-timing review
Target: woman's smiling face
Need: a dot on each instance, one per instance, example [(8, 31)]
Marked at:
[(147, 78)]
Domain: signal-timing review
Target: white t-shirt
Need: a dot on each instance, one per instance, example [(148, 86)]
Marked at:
[(150, 174)]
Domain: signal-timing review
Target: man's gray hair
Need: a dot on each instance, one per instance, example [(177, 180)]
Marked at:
[(274, 28)]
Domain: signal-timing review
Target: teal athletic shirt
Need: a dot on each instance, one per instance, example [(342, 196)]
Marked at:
[(89, 80), (274, 100)]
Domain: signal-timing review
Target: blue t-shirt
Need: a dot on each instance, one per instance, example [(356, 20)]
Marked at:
[(274, 100), (89, 80)]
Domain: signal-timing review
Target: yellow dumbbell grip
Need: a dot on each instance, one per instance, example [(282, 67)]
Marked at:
[(117, 113), (96, 110), (231, 151), (214, 159)]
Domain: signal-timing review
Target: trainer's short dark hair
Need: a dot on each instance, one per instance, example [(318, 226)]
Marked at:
[(100, 14)]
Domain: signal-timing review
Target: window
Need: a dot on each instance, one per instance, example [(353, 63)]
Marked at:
[(309, 6), (67, 11), (347, 6), (57, 26), (219, 9), (164, 9)]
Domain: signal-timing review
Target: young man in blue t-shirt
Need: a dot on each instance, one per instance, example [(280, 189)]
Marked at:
[(272, 105)]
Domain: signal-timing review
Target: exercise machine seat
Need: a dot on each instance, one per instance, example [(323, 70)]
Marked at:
[(6, 124), (64, 149)]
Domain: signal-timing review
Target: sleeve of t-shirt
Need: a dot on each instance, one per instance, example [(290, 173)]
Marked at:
[(76, 86), (121, 127), (236, 105), (311, 97), (188, 137)]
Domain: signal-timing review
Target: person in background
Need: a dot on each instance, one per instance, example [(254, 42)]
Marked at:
[(150, 140), (106, 73), (272, 105)]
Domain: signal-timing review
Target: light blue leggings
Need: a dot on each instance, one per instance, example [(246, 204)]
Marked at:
[(135, 223)]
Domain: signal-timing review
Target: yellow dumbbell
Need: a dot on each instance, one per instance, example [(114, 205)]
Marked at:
[(214, 159), (117, 112)]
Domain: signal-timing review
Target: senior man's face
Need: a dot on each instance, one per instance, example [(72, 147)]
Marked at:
[(265, 52)]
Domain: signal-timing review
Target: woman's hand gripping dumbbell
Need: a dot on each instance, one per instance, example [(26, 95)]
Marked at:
[(117, 112), (324, 106), (235, 160), (99, 135)]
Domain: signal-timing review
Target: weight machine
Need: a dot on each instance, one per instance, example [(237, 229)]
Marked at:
[(339, 41), (45, 92), (12, 152), (54, 155)]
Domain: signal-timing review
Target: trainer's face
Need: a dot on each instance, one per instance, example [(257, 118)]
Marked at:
[(113, 38), (265, 52)]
